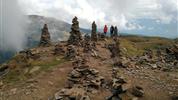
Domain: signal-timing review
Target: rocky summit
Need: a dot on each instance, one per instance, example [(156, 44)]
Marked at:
[(93, 67)]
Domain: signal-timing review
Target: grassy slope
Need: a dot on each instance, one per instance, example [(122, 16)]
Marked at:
[(134, 45)]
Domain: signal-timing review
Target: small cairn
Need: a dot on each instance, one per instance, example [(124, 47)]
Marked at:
[(75, 35), (59, 49), (71, 52), (81, 81), (45, 37)]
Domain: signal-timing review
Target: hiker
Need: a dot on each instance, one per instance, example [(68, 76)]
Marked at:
[(111, 30), (105, 30), (115, 31)]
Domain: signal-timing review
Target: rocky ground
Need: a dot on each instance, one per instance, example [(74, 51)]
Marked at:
[(45, 73)]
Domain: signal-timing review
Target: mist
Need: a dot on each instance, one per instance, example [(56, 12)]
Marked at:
[(12, 26)]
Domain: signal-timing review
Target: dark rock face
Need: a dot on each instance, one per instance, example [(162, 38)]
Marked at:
[(93, 32), (75, 35), (45, 37)]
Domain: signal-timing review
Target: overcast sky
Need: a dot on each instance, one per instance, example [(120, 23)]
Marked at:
[(118, 12)]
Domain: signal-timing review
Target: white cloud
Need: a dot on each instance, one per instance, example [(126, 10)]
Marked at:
[(118, 12)]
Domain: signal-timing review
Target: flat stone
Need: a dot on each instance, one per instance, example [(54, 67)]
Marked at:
[(34, 69)]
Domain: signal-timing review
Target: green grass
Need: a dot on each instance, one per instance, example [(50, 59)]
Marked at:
[(47, 65), (17, 74), (136, 45)]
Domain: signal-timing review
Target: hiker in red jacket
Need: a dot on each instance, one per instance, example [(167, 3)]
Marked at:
[(105, 29)]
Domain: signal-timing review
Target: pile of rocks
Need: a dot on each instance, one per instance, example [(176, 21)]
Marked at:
[(94, 36), (114, 48), (101, 36), (59, 49), (75, 35), (120, 85), (173, 51), (81, 81), (71, 52), (45, 37), (30, 54)]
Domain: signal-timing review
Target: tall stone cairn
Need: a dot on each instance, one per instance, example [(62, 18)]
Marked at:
[(75, 35), (45, 37), (93, 32)]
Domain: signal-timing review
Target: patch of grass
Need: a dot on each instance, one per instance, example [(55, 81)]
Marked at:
[(136, 45), (18, 74), (47, 65)]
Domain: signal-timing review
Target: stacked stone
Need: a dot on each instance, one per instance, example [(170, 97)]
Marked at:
[(81, 80), (93, 32), (87, 44), (83, 76), (114, 49), (71, 52), (75, 35), (45, 37), (59, 49), (175, 51)]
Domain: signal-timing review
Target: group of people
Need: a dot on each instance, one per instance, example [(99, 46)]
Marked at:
[(113, 30)]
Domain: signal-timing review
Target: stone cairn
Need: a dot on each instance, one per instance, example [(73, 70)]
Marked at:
[(59, 49), (87, 44), (81, 81), (71, 52), (93, 32), (114, 48), (45, 37), (75, 35)]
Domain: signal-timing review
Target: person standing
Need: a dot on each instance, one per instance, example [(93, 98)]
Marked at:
[(105, 30), (111, 30), (115, 31)]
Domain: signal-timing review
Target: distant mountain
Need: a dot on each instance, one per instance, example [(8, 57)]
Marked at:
[(59, 30)]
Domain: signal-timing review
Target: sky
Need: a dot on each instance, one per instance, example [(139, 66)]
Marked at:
[(126, 14), (144, 17)]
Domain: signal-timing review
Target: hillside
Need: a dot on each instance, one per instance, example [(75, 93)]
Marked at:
[(44, 73), (59, 31)]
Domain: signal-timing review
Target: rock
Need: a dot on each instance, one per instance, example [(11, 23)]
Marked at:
[(50, 83), (13, 91), (34, 69), (58, 97), (1, 84), (45, 37), (174, 98), (115, 49), (75, 74), (153, 66), (3, 69), (85, 97), (94, 71), (59, 49), (138, 91), (71, 52)]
